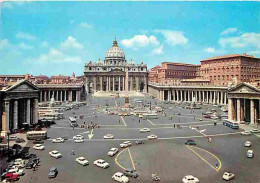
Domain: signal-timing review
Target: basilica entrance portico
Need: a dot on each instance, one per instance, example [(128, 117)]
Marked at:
[(244, 103), (19, 106)]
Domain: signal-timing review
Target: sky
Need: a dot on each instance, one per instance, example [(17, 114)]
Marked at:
[(53, 38)]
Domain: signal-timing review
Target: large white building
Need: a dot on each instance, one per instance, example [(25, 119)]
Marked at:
[(110, 75)]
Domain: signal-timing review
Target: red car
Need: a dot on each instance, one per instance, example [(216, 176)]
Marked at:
[(11, 177), (207, 116)]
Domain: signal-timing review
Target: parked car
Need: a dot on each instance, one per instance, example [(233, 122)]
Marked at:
[(145, 130), (78, 137), (248, 144), (126, 144), (38, 141), (152, 137), (190, 179), (228, 176), (55, 154), (109, 136), (39, 147), (119, 177), (190, 142), (16, 171), (246, 133), (65, 138), (11, 177), (29, 164), (139, 142), (255, 131), (53, 172), (101, 163), (19, 140), (250, 154), (79, 140), (131, 173), (112, 152), (58, 140), (82, 161)]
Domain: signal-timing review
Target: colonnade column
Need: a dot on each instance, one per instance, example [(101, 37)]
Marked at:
[(123, 83), (101, 83), (61, 95), (40, 96), (137, 83), (173, 93), (203, 96), (181, 96), (177, 92), (145, 84), (5, 123), (109, 83), (65, 95), (169, 95), (95, 84), (16, 114), (231, 109), (119, 84), (86, 85), (35, 111), (225, 98), (252, 111), (28, 111), (238, 110), (45, 93), (113, 83), (185, 95)]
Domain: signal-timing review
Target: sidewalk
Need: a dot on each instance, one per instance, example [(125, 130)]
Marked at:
[(249, 127)]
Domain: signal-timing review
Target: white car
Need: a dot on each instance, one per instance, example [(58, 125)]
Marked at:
[(109, 136), (145, 130), (190, 179), (16, 171), (82, 161), (112, 152), (126, 144), (78, 136), (79, 140), (39, 147), (250, 154), (55, 154), (255, 131), (152, 137), (58, 140), (119, 177), (248, 144), (246, 133), (19, 163), (228, 176), (101, 163)]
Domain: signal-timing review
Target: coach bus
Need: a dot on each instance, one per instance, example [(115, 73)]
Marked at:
[(73, 121), (32, 135), (149, 116), (231, 124)]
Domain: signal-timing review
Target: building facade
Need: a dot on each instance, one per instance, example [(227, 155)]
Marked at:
[(18, 106), (222, 70), (111, 74)]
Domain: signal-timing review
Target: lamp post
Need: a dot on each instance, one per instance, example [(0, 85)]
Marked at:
[(8, 146)]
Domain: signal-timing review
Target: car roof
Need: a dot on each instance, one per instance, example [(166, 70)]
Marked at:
[(81, 157), (250, 151), (53, 168), (54, 151), (119, 173), (189, 176)]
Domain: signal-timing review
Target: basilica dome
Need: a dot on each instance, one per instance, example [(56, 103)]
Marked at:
[(115, 51)]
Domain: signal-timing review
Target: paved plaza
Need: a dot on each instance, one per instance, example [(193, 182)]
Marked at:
[(168, 156)]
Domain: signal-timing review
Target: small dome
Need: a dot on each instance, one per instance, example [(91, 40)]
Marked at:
[(115, 51)]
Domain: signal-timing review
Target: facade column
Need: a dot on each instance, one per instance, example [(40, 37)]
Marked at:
[(101, 83), (45, 97), (77, 97), (65, 95), (137, 83), (181, 95), (145, 84), (70, 95), (123, 83), (113, 83), (185, 95), (169, 95), (28, 111), (15, 114), (95, 84), (119, 83), (252, 111), (87, 84), (238, 110), (163, 95), (5, 120), (35, 111), (225, 98), (203, 95), (196, 96), (199, 96), (41, 96), (210, 97), (189, 95), (109, 85), (177, 92), (61, 95), (242, 110), (231, 109), (49, 95), (215, 97)]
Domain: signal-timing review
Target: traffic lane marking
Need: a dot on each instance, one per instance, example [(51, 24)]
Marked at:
[(166, 138), (123, 120), (118, 156), (217, 169), (131, 158)]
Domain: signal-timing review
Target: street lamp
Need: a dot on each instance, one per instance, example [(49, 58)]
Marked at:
[(8, 145)]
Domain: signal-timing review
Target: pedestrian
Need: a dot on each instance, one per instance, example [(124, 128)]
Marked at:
[(119, 121), (72, 152), (174, 126), (209, 140), (139, 120), (73, 127), (84, 122), (34, 167), (217, 165)]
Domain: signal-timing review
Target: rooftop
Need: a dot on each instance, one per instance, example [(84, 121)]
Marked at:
[(229, 56)]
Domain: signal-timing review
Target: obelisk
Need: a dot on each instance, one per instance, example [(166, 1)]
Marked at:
[(126, 88)]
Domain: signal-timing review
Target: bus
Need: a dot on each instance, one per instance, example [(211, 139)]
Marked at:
[(150, 116), (137, 113), (231, 124), (32, 135), (51, 116), (73, 121)]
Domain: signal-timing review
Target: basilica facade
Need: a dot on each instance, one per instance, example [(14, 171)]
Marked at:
[(110, 76)]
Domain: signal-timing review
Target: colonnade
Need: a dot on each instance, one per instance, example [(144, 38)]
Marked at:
[(18, 112), (204, 96), (116, 83), (243, 109), (59, 95)]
